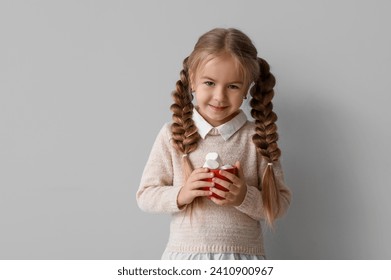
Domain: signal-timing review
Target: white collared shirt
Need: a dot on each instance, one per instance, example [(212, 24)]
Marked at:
[(226, 130)]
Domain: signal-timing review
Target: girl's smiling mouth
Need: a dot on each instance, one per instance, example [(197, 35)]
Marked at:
[(218, 108)]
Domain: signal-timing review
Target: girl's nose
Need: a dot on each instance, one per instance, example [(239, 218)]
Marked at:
[(220, 93)]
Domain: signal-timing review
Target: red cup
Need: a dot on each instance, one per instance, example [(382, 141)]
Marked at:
[(217, 174)]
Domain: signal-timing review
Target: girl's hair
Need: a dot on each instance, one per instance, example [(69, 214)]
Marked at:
[(185, 137)]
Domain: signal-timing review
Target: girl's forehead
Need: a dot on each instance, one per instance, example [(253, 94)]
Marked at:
[(220, 65)]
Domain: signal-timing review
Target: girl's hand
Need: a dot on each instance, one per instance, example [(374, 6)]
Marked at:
[(193, 185), (236, 190)]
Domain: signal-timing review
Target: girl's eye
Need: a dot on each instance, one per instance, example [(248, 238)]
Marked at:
[(209, 83), (233, 87)]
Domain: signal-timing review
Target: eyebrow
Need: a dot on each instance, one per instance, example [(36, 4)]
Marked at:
[(209, 78)]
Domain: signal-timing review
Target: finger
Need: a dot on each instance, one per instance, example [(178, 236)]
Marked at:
[(240, 169), (231, 177), (231, 188), (222, 183), (202, 176), (202, 193), (202, 184), (200, 170), (218, 201), (221, 193)]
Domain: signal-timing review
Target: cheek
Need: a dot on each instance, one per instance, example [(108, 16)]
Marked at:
[(238, 100), (201, 95), (199, 99)]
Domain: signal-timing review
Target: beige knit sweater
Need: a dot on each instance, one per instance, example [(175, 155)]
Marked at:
[(212, 228)]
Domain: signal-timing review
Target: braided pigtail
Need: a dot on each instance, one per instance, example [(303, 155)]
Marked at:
[(184, 132), (266, 137)]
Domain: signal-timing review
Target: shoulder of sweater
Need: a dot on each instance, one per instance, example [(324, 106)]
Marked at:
[(166, 128), (249, 126), (164, 135)]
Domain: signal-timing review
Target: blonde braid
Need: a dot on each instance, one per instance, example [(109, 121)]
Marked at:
[(266, 136), (184, 132)]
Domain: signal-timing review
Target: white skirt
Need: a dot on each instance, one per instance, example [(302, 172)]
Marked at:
[(209, 256)]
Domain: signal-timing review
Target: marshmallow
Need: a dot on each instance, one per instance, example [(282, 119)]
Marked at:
[(212, 155), (212, 164), (213, 161), (215, 157)]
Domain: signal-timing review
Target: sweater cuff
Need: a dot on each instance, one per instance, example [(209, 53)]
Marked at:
[(248, 202), (172, 198)]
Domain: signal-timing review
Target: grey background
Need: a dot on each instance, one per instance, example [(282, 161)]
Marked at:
[(85, 87)]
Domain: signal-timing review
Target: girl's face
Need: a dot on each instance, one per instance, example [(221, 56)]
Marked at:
[(219, 90)]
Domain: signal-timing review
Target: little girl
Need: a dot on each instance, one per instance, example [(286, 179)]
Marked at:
[(207, 222)]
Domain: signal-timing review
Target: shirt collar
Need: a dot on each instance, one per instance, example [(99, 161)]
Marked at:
[(226, 130)]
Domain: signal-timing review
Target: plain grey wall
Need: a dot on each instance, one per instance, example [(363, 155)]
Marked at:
[(85, 87)]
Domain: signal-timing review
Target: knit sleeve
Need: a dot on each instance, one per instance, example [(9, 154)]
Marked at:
[(156, 192), (252, 203)]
